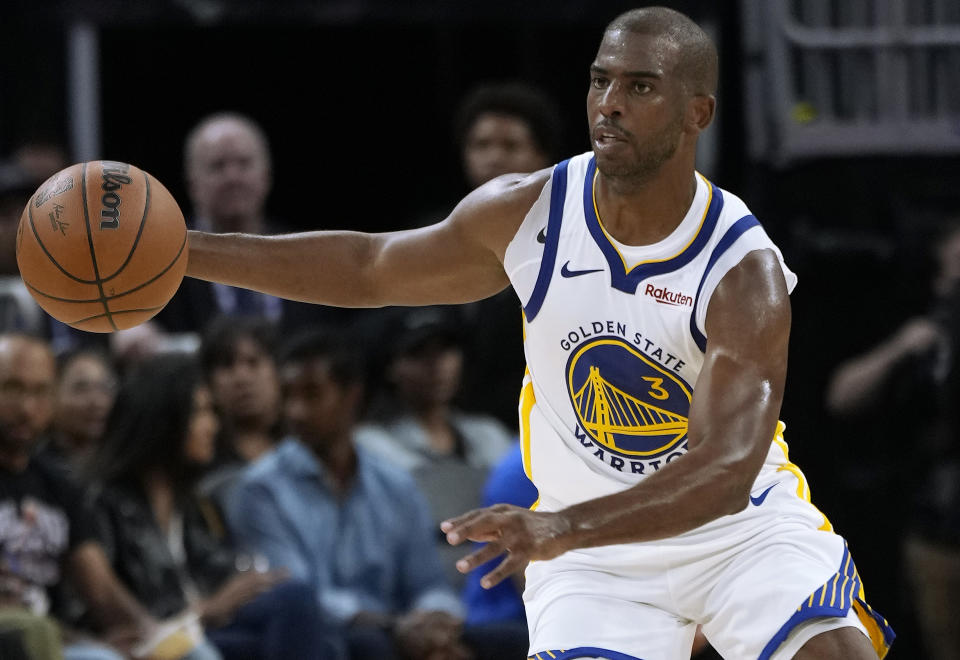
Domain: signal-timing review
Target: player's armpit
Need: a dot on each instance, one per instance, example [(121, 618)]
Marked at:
[(457, 260)]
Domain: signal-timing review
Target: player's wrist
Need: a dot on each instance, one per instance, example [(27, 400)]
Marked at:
[(563, 533)]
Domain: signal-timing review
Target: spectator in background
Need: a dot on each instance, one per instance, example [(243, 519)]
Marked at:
[(903, 394), (346, 520), (46, 531), (501, 128), (229, 173), (159, 436), (41, 157), (239, 361), (18, 310), (86, 386), (504, 128), (415, 425)]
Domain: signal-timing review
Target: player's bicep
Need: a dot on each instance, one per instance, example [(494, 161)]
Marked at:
[(740, 388), (461, 258), (441, 263)]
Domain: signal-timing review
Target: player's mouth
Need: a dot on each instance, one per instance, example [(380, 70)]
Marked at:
[(608, 136)]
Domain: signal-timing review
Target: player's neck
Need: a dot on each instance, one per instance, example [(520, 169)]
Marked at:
[(645, 212)]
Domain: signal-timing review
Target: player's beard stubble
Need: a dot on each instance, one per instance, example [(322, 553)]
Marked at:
[(649, 155)]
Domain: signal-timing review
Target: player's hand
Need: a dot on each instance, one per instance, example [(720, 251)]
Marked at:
[(522, 534)]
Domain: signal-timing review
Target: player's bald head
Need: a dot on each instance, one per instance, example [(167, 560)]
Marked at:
[(697, 55)]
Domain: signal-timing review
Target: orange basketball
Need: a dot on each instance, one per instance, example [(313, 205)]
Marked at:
[(102, 246)]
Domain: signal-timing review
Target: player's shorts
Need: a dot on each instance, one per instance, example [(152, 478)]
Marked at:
[(760, 582)]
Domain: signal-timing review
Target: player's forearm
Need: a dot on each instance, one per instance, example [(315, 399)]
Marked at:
[(683, 495), (731, 427), (317, 267)]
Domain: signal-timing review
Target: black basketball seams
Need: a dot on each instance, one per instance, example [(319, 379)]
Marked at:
[(43, 247), (116, 313), (115, 295), (93, 252)]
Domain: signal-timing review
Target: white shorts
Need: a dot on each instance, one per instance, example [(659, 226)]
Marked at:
[(761, 583)]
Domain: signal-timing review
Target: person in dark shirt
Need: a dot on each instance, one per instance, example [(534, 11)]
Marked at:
[(46, 531)]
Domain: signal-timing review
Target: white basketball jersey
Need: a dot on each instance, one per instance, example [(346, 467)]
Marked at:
[(614, 334)]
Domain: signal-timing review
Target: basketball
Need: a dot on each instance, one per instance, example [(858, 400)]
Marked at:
[(102, 246)]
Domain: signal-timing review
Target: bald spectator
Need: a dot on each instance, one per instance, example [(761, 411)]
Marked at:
[(229, 175)]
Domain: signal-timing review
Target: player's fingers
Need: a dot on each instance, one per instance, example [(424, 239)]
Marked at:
[(452, 523), (512, 563), (482, 527), (479, 557)]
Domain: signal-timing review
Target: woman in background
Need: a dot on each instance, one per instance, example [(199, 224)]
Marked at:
[(159, 437)]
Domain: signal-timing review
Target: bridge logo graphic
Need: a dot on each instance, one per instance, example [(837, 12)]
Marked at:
[(626, 401)]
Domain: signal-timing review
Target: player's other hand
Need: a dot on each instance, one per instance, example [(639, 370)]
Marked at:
[(522, 534)]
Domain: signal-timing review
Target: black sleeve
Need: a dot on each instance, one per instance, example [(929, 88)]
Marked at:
[(73, 498)]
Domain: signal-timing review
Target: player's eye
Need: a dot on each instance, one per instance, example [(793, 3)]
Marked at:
[(641, 87), (598, 82)]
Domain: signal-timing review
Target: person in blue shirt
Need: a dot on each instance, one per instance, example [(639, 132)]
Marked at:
[(354, 527), (507, 484)]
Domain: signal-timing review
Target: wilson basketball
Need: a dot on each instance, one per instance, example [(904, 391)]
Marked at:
[(102, 246)]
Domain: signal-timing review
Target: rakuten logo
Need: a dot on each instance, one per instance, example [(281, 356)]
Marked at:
[(664, 295)]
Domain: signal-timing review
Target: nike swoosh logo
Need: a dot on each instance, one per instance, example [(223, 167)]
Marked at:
[(542, 235), (758, 500), (566, 272)]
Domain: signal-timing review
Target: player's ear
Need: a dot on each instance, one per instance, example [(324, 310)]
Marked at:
[(700, 112)]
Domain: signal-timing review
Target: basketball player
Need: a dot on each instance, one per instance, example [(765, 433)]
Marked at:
[(656, 325)]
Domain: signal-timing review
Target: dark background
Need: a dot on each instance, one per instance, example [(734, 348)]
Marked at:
[(358, 99)]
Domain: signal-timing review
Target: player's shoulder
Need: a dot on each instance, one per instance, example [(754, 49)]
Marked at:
[(492, 214), (511, 192)]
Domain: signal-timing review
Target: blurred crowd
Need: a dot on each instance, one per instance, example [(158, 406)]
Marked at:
[(248, 477)]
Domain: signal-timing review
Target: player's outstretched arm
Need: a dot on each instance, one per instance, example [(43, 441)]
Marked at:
[(732, 421), (457, 260)]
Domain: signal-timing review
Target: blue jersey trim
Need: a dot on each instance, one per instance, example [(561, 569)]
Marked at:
[(735, 232), (628, 281), (558, 194), (582, 652), (833, 599)]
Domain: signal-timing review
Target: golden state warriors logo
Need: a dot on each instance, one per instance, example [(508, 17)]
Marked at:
[(626, 402)]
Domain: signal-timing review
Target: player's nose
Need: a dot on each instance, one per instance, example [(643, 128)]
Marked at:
[(610, 103)]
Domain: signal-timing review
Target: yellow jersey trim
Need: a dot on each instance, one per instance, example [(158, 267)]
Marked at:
[(527, 399), (803, 490), (613, 244)]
